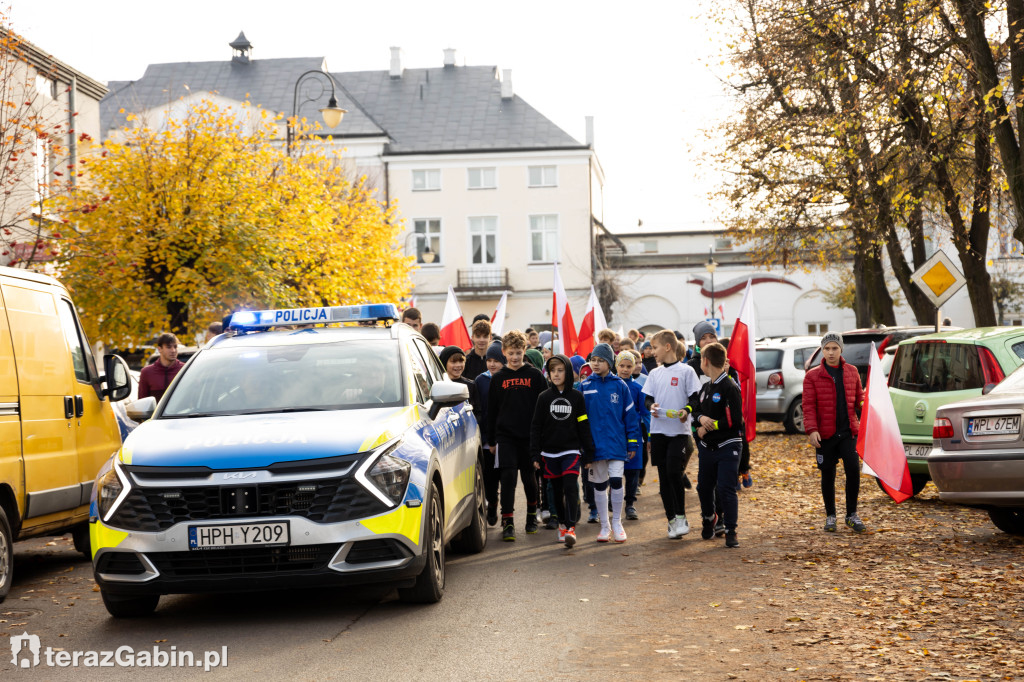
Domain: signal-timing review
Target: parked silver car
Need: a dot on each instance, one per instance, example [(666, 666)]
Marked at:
[(780, 379), (978, 453)]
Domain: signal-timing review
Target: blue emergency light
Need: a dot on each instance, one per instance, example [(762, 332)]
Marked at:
[(262, 319)]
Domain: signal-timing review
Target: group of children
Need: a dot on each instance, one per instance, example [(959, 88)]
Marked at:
[(548, 420)]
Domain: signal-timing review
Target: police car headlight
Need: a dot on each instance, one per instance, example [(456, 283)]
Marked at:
[(390, 475), (111, 490)]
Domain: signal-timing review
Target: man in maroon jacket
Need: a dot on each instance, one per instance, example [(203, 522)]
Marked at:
[(832, 393), (154, 379)]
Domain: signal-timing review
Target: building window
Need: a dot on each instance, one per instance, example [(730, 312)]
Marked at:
[(544, 238), (817, 328), (543, 176), (431, 228), (649, 246), (46, 87), (426, 180), (483, 240), (723, 244), (483, 178)]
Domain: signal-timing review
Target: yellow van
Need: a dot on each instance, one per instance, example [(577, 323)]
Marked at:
[(57, 425)]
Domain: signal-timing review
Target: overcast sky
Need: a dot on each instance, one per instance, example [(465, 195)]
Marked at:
[(647, 72)]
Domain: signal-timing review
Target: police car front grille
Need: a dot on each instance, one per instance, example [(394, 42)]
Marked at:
[(323, 501), (242, 561)]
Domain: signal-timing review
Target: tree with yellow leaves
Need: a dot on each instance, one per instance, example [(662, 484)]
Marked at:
[(180, 225)]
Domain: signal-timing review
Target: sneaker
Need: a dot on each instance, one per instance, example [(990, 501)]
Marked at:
[(492, 517), (684, 525), (508, 531), (830, 524), (531, 523), (673, 530), (707, 529), (731, 540), (631, 514), (551, 523), (593, 516), (854, 522), (618, 533), (747, 480), (605, 534), (719, 528), (570, 538), (545, 515), (561, 533)]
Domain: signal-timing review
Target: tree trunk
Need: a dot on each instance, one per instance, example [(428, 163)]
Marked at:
[(882, 311), (861, 309), (178, 312), (924, 311)]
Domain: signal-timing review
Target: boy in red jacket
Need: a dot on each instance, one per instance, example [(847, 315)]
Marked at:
[(832, 393)]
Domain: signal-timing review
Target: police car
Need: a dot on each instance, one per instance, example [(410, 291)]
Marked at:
[(313, 455)]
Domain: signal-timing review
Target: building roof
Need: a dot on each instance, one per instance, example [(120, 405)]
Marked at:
[(47, 64), (444, 109)]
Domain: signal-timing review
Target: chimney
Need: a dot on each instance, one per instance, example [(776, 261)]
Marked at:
[(506, 84), (449, 57), (396, 62), (590, 131)]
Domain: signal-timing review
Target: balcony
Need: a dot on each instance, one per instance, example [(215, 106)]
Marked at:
[(482, 282)]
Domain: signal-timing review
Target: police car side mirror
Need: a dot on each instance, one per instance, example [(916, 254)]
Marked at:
[(119, 382), (448, 393), (142, 409)]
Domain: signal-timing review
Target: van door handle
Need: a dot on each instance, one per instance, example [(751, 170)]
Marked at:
[(69, 407), (79, 406)]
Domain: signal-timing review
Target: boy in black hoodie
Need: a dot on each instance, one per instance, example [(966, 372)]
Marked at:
[(511, 400), (560, 440)]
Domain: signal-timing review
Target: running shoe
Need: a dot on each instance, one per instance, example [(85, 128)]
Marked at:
[(531, 523), (707, 530), (618, 533), (731, 540), (508, 531), (854, 522), (631, 514), (605, 534), (593, 516), (570, 538), (830, 524)]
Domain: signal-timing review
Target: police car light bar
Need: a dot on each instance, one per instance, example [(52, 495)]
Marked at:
[(261, 319)]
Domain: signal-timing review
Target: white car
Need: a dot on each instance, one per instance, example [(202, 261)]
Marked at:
[(780, 379)]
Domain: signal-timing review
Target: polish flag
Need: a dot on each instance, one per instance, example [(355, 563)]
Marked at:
[(412, 301), (721, 311), (453, 327), (593, 322), (561, 317), (498, 319), (705, 312), (879, 443), (742, 357)]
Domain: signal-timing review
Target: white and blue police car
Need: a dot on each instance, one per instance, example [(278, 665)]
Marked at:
[(303, 447)]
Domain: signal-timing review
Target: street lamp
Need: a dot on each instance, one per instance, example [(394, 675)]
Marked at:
[(427, 255), (332, 113), (711, 265)]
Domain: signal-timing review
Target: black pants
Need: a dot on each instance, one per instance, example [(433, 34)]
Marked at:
[(492, 477), (829, 455), (565, 493), (716, 482), (745, 457), (668, 453), (514, 457)]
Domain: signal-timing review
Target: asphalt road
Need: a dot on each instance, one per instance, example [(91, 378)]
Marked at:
[(653, 608)]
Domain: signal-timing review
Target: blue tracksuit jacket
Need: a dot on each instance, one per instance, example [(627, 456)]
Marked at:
[(614, 423)]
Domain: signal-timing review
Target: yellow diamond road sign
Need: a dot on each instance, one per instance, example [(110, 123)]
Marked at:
[(938, 278)]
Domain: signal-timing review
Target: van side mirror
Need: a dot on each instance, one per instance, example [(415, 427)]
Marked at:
[(119, 381), (142, 409)]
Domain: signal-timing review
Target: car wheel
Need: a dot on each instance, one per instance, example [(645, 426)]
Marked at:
[(429, 587), (794, 421), (1008, 520), (917, 483), (129, 606), (473, 538), (6, 556), (80, 536)]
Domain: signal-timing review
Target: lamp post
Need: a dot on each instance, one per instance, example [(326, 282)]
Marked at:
[(332, 113), (710, 266), (427, 255)]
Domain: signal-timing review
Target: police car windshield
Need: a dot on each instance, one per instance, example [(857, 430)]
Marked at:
[(342, 375)]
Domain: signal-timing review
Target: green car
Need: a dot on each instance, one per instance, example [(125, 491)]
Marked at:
[(937, 369)]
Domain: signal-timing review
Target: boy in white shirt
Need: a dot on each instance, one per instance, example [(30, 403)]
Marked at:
[(668, 387)]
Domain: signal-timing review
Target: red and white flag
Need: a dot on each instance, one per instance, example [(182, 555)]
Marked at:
[(562, 317), (721, 311), (742, 357), (412, 301), (453, 326), (498, 318), (879, 443), (705, 312), (593, 322)]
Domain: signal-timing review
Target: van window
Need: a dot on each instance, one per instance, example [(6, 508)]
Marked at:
[(75, 345), (937, 367), (768, 358)]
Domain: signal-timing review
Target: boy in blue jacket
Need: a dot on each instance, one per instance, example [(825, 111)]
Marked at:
[(616, 431)]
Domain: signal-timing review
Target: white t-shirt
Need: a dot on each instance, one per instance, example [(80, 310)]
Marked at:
[(671, 386)]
